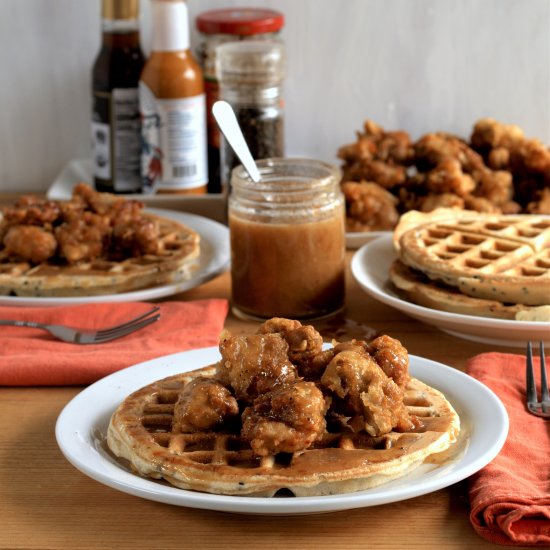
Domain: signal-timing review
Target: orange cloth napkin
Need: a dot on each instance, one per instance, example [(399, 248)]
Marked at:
[(510, 497), (32, 357)]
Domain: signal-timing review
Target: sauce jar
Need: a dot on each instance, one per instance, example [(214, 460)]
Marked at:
[(216, 27), (287, 240), (251, 76)]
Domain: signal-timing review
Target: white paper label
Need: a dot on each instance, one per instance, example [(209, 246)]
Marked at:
[(173, 141)]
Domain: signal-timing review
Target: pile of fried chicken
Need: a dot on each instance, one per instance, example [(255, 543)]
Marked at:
[(499, 170), (283, 392), (88, 227)]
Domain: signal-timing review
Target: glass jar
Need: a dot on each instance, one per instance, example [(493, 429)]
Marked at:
[(250, 76), (217, 27), (287, 240)]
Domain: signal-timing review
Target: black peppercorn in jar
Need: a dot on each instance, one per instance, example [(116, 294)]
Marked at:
[(217, 27), (250, 76)]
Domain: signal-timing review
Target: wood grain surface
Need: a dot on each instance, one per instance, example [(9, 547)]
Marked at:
[(46, 503)]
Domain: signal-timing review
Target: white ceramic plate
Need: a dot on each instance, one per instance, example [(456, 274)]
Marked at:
[(356, 239), (370, 267), (212, 261), (82, 426)]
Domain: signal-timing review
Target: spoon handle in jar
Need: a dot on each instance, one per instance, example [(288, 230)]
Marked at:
[(229, 126)]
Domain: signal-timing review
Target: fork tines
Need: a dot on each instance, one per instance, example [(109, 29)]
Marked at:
[(542, 407), (130, 326)]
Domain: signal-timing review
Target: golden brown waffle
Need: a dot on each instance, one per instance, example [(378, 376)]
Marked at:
[(223, 462), (502, 258), (421, 290), (180, 245)]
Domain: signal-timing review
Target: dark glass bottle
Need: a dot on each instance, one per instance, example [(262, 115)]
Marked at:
[(116, 129)]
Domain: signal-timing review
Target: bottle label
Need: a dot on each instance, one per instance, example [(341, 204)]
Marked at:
[(173, 141), (116, 147)]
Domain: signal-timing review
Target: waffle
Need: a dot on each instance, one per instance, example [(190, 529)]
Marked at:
[(223, 462), (180, 245), (420, 290), (500, 258)]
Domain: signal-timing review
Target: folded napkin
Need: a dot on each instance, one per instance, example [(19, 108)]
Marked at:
[(510, 497), (32, 357)]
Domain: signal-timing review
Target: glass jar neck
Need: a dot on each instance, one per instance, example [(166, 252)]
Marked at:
[(251, 95)]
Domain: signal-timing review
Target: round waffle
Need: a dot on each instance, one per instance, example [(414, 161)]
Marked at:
[(501, 258), (179, 245), (420, 290), (223, 462)]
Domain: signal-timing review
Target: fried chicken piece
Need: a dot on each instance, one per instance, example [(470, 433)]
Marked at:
[(83, 239), (125, 212), (288, 419), (481, 204), (370, 397), (432, 149), (506, 147), (31, 210), (99, 203), (303, 340), (369, 207), (135, 238), (71, 210), (377, 156), (495, 185), (254, 364), (203, 405), (29, 242), (305, 345), (384, 174), (490, 134), (375, 143), (279, 325), (448, 177), (536, 156), (444, 200), (542, 204), (392, 357)]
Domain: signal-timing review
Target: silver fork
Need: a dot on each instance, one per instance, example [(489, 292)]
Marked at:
[(542, 407), (79, 336)]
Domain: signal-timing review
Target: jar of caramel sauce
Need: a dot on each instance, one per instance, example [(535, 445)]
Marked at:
[(287, 240)]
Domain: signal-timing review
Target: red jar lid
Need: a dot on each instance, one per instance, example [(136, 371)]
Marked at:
[(240, 21)]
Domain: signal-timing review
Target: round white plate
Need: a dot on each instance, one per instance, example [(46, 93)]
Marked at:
[(370, 266), (82, 426), (213, 260), (356, 239)]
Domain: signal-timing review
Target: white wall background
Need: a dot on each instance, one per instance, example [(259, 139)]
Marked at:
[(418, 65)]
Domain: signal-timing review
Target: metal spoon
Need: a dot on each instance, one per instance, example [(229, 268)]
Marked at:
[(227, 121)]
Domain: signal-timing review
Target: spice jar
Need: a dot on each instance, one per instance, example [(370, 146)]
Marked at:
[(216, 27), (250, 76), (287, 240)]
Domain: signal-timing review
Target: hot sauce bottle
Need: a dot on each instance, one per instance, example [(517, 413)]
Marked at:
[(173, 107), (116, 148)]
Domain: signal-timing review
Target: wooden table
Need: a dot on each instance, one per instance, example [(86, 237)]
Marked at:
[(46, 503)]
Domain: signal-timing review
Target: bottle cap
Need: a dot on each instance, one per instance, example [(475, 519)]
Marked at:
[(170, 26), (240, 21), (120, 9)]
